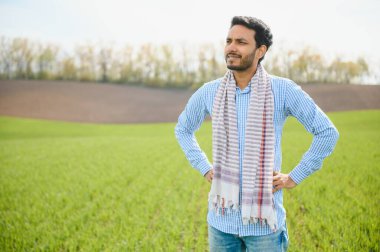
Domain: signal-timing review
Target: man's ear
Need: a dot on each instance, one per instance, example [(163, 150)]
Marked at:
[(261, 51)]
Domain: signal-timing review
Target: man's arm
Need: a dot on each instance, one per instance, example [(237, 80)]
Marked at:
[(325, 135), (188, 122)]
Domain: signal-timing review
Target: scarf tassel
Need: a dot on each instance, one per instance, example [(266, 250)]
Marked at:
[(221, 206)]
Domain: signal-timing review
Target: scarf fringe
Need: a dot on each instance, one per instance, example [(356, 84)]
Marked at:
[(267, 216), (221, 206), (263, 222)]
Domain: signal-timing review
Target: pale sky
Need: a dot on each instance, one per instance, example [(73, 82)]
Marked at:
[(349, 28)]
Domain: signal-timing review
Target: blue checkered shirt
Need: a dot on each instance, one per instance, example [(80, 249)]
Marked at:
[(289, 100)]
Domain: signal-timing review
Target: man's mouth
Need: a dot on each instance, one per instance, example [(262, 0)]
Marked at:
[(234, 56)]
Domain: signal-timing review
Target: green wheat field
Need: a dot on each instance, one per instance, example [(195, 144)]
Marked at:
[(91, 187)]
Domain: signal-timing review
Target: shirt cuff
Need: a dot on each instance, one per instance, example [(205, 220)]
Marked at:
[(299, 173), (203, 167)]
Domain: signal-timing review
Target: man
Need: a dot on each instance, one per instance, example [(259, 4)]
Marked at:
[(248, 108)]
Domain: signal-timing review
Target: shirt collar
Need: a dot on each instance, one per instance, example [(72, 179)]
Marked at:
[(247, 89)]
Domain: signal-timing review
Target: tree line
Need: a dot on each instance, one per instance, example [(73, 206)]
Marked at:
[(162, 65)]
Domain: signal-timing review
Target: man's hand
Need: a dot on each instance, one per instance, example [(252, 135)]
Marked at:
[(209, 175), (281, 180)]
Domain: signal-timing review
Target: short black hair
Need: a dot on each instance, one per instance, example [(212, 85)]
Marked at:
[(263, 34)]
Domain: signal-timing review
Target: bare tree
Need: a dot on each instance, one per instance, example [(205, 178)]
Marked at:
[(46, 61), (68, 69), (5, 58), (127, 72), (87, 63), (347, 71), (308, 66), (105, 57), (22, 56)]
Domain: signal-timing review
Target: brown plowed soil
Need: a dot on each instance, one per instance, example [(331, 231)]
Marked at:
[(112, 103)]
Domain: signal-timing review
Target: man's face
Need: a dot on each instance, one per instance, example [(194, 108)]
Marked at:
[(240, 49)]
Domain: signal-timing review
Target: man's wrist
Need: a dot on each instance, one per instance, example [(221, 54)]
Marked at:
[(204, 167), (298, 174), (291, 183)]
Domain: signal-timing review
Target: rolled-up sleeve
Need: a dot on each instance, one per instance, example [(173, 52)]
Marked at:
[(189, 122), (325, 135)]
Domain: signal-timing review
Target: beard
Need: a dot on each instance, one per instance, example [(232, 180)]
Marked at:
[(245, 62)]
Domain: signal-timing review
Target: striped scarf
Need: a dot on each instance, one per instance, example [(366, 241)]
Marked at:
[(258, 160)]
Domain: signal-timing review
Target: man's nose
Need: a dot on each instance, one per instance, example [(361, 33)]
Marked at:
[(230, 48)]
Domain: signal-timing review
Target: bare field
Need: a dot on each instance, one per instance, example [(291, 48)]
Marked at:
[(113, 103)]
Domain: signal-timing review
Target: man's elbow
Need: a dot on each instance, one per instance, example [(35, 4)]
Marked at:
[(177, 130), (334, 136)]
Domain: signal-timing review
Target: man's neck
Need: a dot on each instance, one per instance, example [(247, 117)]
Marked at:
[(243, 78)]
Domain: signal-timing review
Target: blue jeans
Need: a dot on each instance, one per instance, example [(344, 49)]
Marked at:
[(220, 241)]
